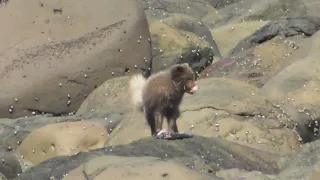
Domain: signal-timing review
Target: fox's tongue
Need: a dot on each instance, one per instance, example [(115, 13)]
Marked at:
[(194, 89)]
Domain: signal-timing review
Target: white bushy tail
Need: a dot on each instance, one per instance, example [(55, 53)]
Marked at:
[(136, 85)]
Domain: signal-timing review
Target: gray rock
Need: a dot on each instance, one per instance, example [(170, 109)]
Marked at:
[(9, 165), (184, 17), (67, 48), (304, 165), (15, 131), (253, 10), (284, 27), (197, 27), (111, 96), (198, 59), (163, 8), (206, 155), (218, 4), (182, 24), (257, 65)]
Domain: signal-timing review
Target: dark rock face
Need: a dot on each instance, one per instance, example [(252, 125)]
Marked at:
[(166, 7), (179, 19), (284, 27), (251, 10), (9, 165), (202, 154), (198, 59), (218, 4), (201, 30)]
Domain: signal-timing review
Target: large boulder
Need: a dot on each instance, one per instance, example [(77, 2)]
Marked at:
[(59, 139), (195, 158), (159, 9), (235, 111), (41, 137), (111, 96), (54, 56), (173, 36), (119, 167), (236, 31), (304, 165), (176, 28), (224, 108), (14, 131), (287, 26), (295, 91), (239, 11), (10, 166), (235, 173), (258, 64)]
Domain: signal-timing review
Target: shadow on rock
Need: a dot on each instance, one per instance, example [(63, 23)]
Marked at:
[(198, 59), (9, 165), (207, 155)]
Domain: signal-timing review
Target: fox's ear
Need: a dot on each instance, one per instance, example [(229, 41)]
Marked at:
[(177, 73)]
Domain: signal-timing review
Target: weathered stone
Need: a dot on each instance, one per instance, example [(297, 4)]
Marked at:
[(174, 36), (14, 132), (235, 33), (160, 9), (198, 59), (66, 48), (283, 27), (222, 108), (248, 117), (176, 27), (235, 111), (111, 96), (205, 155), (252, 10), (119, 167), (295, 90), (243, 174), (60, 139), (304, 165), (9, 165), (256, 65)]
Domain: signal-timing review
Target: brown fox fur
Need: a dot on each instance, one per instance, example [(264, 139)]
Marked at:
[(160, 95)]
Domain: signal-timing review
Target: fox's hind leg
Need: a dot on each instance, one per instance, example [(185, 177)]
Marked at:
[(151, 119), (172, 116)]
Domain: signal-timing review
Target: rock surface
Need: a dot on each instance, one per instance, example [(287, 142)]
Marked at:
[(258, 64), (9, 166), (60, 51), (255, 116), (59, 139), (297, 87), (284, 27), (176, 27), (304, 165), (147, 168), (194, 153)]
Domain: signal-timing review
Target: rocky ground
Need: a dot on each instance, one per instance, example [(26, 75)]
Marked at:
[(64, 68)]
